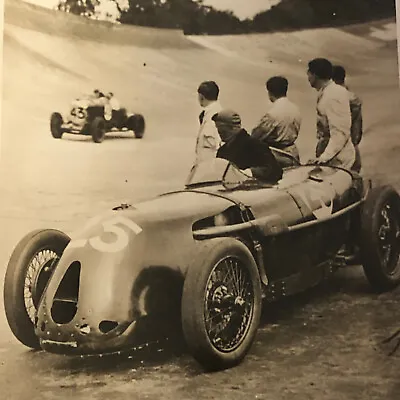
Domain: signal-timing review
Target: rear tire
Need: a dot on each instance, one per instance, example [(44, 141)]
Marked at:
[(98, 129), (56, 122), (136, 123), (380, 238), (30, 267), (224, 290)]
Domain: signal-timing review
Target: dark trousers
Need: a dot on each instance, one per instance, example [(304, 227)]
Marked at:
[(357, 163)]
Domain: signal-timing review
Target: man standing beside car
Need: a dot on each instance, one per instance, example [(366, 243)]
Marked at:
[(208, 140), (334, 144), (280, 126), (339, 76)]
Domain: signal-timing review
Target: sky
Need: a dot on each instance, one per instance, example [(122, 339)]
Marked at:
[(241, 8)]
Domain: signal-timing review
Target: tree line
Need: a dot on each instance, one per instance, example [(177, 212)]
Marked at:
[(195, 18)]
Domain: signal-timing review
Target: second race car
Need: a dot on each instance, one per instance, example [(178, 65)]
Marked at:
[(95, 117)]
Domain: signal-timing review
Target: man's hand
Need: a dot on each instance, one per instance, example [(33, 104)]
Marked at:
[(316, 161), (313, 160)]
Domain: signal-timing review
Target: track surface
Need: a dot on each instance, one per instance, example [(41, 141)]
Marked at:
[(323, 344)]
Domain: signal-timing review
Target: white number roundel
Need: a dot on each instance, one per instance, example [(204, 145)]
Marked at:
[(120, 236)]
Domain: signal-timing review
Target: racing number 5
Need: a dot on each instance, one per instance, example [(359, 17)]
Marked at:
[(121, 236)]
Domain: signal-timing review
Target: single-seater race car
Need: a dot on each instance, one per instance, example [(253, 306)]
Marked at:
[(206, 256), (95, 117)]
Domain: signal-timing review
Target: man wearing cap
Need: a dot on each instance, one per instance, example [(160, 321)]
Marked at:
[(208, 140), (339, 76), (280, 126), (243, 150), (334, 144)]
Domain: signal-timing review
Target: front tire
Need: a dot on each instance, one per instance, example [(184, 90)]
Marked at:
[(98, 129), (380, 238), (221, 304), (30, 267), (56, 122), (136, 123)]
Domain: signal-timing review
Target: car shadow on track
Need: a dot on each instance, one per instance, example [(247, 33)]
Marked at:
[(170, 346), (107, 137)]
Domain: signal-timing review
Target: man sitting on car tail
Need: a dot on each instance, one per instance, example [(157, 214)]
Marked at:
[(280, 126), (334, 144), (243, 150)]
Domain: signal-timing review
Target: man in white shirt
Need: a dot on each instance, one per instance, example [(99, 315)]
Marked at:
[(280, 126), (334, 144), (339, 76), (208, 140)]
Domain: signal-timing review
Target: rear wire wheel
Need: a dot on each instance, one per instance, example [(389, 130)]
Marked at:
[(380, 238)]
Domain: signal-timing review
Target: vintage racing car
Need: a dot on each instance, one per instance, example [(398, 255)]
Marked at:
[(204, 257), (88, 118)]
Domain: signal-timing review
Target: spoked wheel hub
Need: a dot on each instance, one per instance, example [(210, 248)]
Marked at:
[(229, 304), (38, 274), (29, 270)]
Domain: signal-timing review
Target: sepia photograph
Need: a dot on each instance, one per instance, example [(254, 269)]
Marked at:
[(200, 199)]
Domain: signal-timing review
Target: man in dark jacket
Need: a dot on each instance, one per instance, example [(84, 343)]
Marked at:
[(243, 150)]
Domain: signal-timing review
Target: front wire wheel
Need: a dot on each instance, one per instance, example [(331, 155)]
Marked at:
[(221, 304), (29, 269), (98, 129), (38, 274), (228, 304)]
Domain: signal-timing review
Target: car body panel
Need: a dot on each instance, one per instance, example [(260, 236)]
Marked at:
[(133, 259)]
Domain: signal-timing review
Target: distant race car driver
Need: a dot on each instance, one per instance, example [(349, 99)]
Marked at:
[(114, 103)]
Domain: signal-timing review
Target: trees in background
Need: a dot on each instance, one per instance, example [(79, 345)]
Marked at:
[(300, 14), (96, 9), (193, 17), (78, 7)]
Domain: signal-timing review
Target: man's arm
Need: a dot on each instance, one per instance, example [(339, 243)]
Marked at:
[(339, 118), (264, 165), (209, 141), (356, 117), (265, 129)]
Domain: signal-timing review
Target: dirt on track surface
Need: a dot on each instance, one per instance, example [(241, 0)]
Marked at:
[(324, 344)]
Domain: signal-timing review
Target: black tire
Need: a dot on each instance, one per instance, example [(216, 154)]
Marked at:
[(98, 129), (137, 124), (45, 247), (56, 122), (380, 226), (198, 287)]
